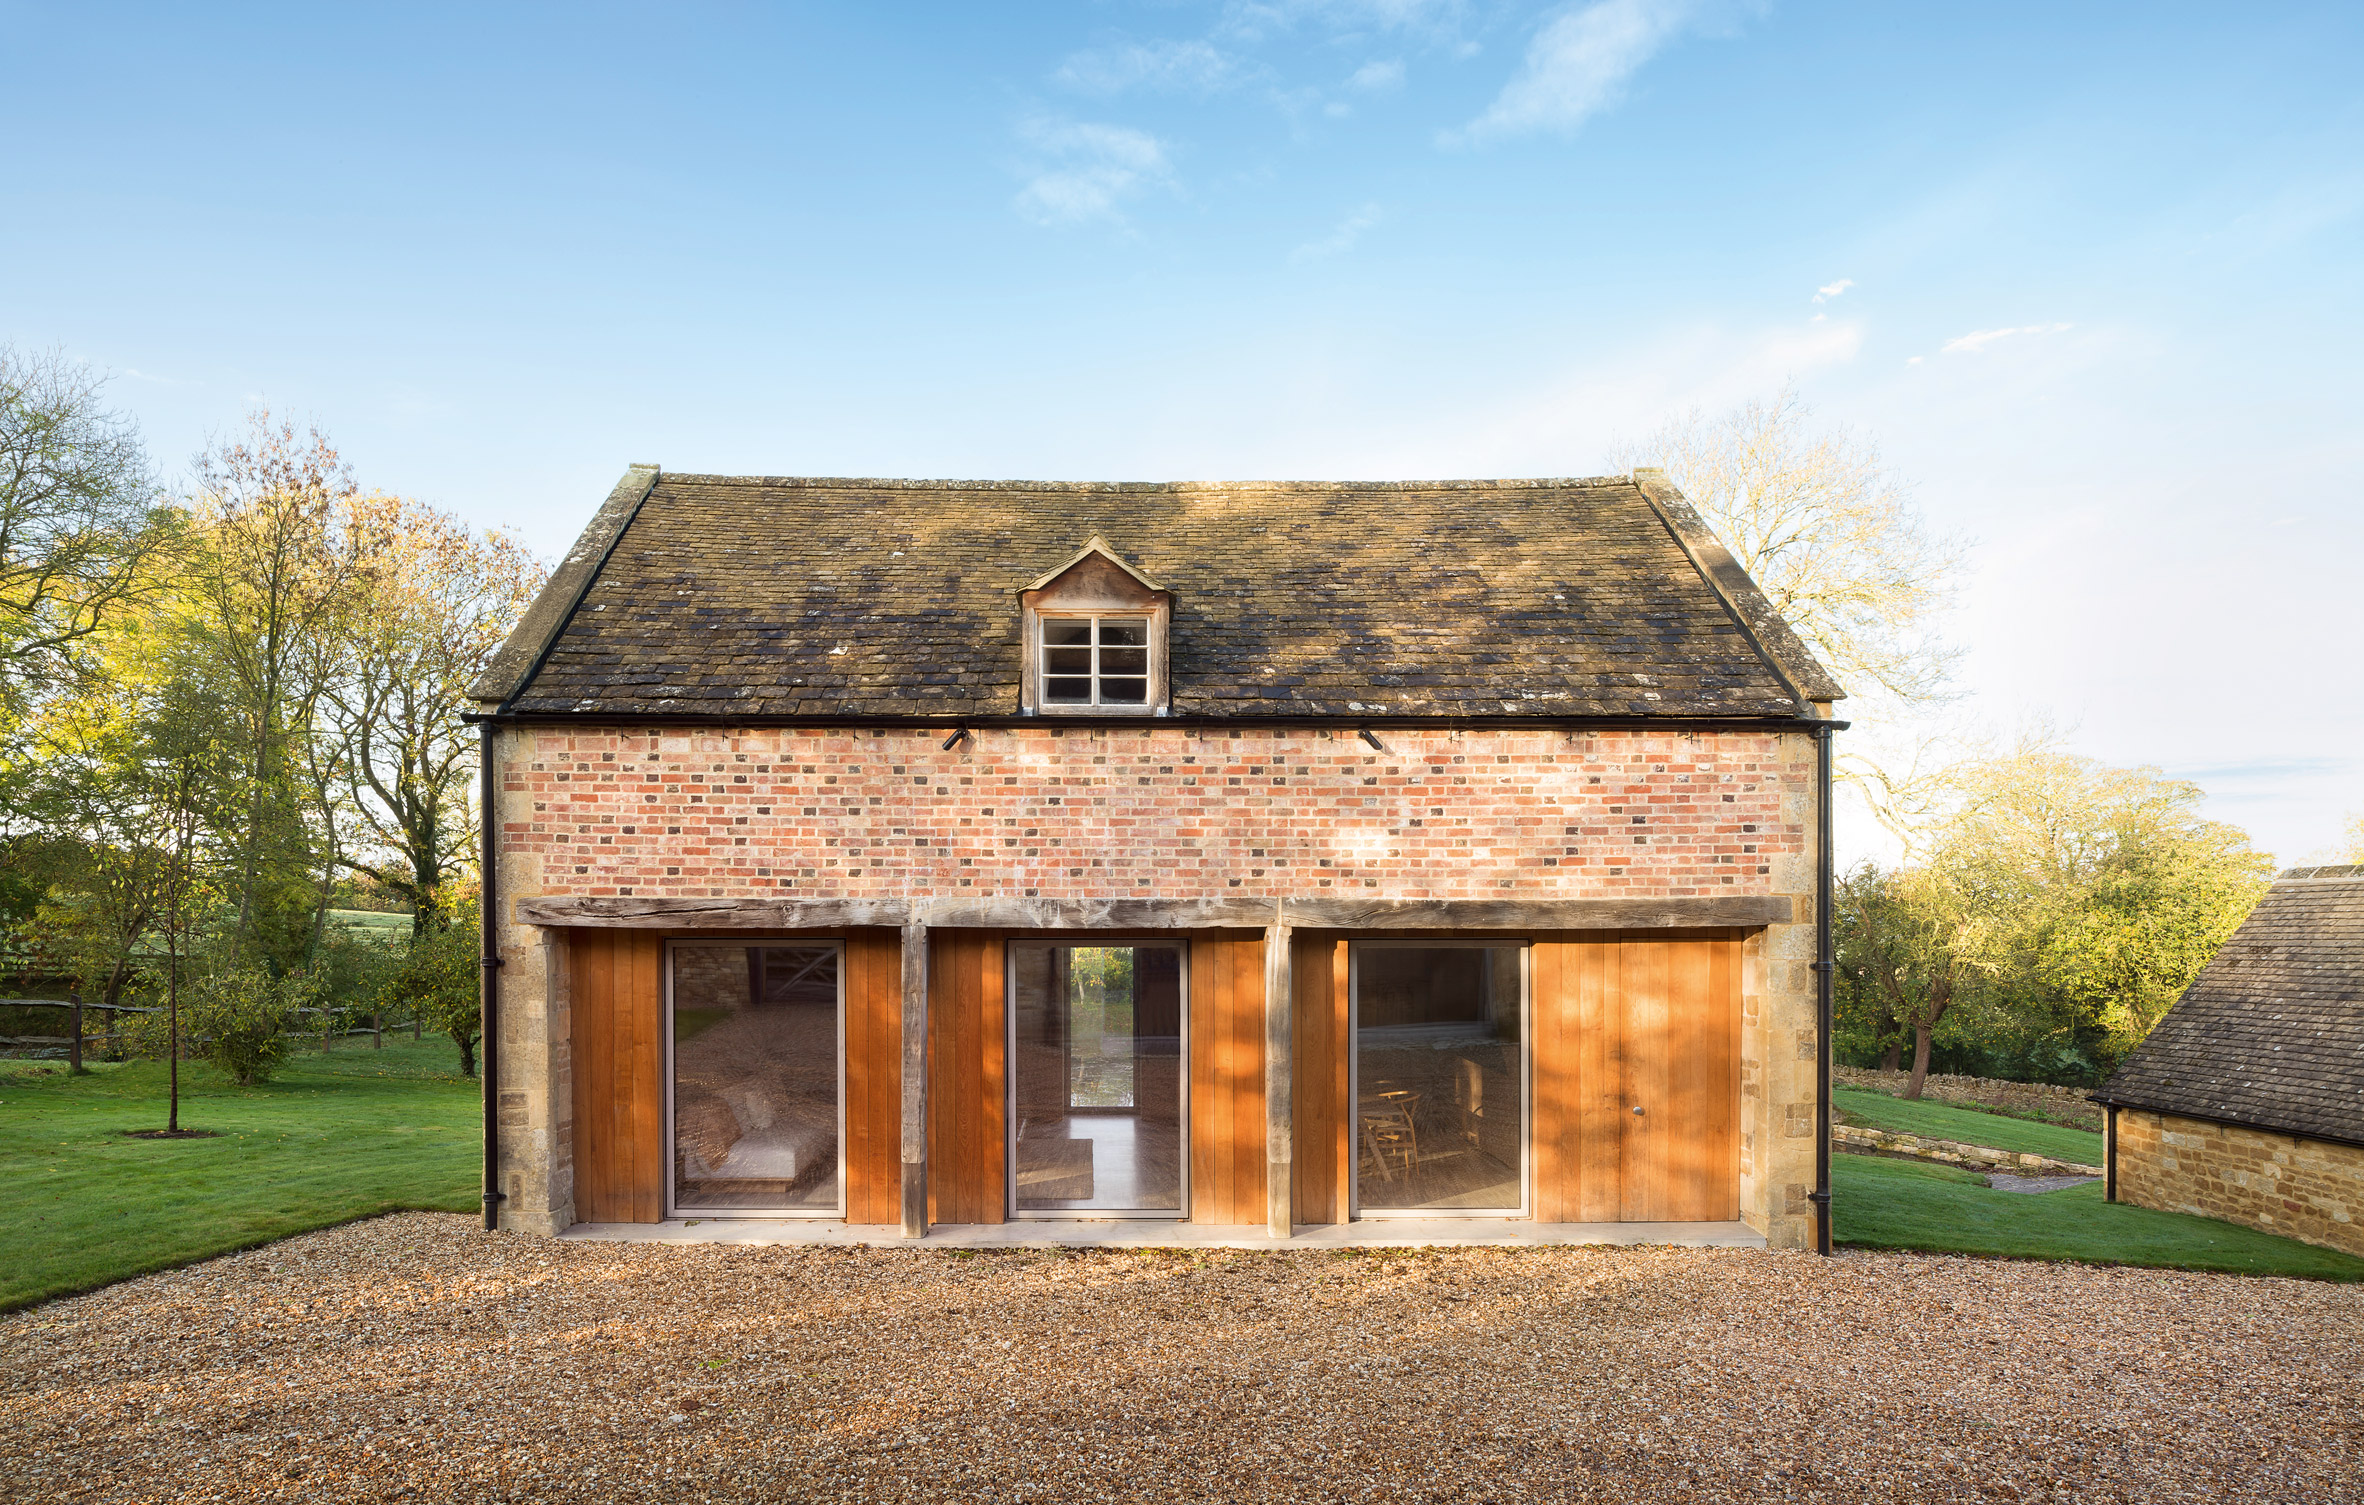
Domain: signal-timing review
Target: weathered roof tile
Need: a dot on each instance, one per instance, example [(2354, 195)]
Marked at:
[(779, 596)]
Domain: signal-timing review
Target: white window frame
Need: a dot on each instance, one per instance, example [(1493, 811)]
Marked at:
[(1149, 675)]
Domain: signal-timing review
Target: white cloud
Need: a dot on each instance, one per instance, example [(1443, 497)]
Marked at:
[(1340, 240), (1195, 67), (1252, 20), (1830, 290), (1577, 66), (1375, 76), (1084, 171), (1978, 339)]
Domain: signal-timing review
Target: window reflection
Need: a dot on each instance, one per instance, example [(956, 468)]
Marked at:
[(1439, 1078), (1096, 1078), (755, 1077)]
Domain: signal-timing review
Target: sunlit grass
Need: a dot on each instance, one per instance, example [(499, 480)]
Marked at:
[(338, 1135)]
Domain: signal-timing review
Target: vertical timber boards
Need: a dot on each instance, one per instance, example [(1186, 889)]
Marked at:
[(1227, 1078), (1645, 1019), (968, 1093), (618, 1011), (1319, 1056), (874, 1076)]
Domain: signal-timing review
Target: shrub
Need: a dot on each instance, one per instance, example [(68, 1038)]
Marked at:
[(238, 1018), (439, 977)]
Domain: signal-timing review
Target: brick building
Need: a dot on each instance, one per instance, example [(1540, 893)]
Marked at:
[(2247, 1102), (1279, 855)]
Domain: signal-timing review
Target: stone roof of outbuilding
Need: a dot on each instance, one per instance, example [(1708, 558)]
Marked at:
[(2271, 1033), (764, 597)]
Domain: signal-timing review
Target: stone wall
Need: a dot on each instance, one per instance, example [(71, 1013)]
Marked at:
[(2300, 1188), (1163, 812), (1954, 1152)]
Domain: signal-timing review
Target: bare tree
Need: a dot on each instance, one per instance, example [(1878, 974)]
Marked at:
[(1827, 530), (76, 507)]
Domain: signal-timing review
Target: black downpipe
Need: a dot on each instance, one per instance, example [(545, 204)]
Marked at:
[(2109, 1188), (1824, 964), (488, 940)]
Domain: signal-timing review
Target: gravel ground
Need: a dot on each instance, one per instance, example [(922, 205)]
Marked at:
[(416, 1357)]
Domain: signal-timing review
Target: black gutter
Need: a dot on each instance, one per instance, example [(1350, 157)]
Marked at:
[(489, 943), (1768, 725), (1824, 964), (2251, 1124)]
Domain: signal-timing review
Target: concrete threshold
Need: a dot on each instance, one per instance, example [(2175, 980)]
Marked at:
[(1383, 1233)]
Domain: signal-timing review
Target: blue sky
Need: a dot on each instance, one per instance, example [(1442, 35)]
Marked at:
[(2089, 273)]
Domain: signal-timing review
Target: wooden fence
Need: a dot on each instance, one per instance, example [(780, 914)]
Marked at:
[(75, 1008)]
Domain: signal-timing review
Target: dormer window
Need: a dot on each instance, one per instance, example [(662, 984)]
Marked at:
[(1095, 636), (1095, 661)]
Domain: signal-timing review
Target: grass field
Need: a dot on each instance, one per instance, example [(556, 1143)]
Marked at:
[(1875, 1110), (1900, 1204), (338, 1135)]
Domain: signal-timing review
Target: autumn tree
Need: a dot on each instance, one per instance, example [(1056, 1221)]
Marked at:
[(76, 509), (273, 572), (2053, 898), (435, 599)]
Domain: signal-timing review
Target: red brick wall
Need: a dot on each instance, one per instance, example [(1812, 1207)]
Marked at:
[(1163, 812)]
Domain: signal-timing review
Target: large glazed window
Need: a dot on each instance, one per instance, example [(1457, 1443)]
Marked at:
[(756, 1077), (1096, 1085), (1440, 1077)]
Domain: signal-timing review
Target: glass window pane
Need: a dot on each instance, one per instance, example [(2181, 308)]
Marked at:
[(1124, 661), (1127, 632), (755, 1077), (1124, 691), (1440, 1078), (1068, 691), (1057, 631), (1068, 660), (1096, 1078)]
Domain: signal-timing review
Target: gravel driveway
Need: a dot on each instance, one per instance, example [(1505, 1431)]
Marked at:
[(418, 1358)]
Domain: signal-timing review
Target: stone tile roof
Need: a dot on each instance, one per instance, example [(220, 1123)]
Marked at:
[(767, 596), (2271, 1034)]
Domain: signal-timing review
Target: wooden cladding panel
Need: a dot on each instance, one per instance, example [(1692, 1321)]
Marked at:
[(1227, 1079), (968, 1088), (1647, 1020), (1319, 1055), (617, 1013), (873, 1076)]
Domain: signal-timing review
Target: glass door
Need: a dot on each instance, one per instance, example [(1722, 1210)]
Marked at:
[(1440, 1080), (1097, 1081), (754, 1110)]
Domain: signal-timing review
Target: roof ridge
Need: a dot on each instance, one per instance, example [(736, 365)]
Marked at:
[(2332, 872), (907, 483)]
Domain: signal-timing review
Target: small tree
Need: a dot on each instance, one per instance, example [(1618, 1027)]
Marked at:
[(241, 1016), (438, 978)]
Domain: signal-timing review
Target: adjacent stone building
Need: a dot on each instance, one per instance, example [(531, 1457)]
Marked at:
[(2247, 1102), (914, 853)]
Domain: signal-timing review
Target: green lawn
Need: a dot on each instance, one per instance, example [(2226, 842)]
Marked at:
[(336, 1136), (1902, 1204), (1875, 1110)]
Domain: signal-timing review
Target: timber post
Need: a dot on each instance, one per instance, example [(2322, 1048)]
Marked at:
[(1280, 1217), (915, 1080)]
